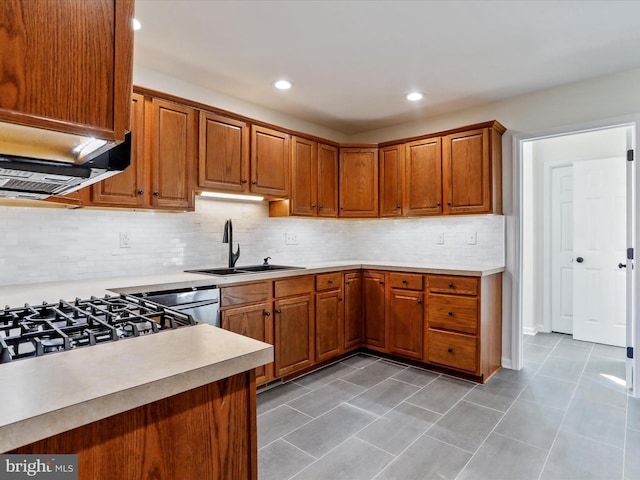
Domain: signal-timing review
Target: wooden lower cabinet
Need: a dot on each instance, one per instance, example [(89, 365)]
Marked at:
[(406, 323), (329, 324), (375, 336), (208, 433), (353, 318), (253, 321), (294, 336)]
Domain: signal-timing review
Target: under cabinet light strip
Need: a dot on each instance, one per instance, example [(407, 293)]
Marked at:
[(232, 196)]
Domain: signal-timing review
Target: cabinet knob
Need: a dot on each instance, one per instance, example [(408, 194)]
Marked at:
[(398, 207), (330, 282), (255, 182), (313, 206), (341, 208), (278, 311), (140, 192), (267, 314), (156, 194), (244, 180), (321, 206), (404, 281), (419, 301), (340, 299), (450, 350), (451, 314), (381, 283), (451, 285), (449, 203), (438, 204)]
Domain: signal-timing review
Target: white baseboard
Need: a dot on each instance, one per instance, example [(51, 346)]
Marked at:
[(506, 363), (529, 330)]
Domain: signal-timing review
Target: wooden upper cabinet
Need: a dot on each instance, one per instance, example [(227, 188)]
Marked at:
[(67, 66), (173, 141), (128, 187), (358, 182), (472, 172), (269, 162), (327, 180), (223, 160), (424, 177), (304, 177), (391, 180)]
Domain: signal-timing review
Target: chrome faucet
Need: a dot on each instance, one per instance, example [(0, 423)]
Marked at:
[(228, 238)]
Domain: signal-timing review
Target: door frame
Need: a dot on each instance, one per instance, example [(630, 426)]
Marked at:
[(518, 140), (546, 244)]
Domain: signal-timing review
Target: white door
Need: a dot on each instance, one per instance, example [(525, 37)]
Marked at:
[(562, 249), (599, 228)]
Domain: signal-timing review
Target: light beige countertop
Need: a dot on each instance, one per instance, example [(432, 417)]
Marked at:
[(47, 395)]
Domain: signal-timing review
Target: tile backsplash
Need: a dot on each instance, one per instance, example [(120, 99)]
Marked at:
[(50, 244)]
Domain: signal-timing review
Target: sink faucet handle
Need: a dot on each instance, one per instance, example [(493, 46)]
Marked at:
[(266, 261)]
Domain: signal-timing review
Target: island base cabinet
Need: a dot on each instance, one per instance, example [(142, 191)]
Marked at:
[(208, 433)]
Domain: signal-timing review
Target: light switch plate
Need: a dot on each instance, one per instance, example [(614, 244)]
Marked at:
[(472, 238), (125, 240), (440, 239)]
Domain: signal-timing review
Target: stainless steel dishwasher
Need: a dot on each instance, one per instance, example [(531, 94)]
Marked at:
[(202, 303)]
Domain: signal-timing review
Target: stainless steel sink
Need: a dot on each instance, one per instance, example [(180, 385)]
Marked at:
[(243, 270)]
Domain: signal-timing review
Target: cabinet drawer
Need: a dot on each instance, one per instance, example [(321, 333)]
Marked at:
[(247, 293), (409, 281), (452, 312), (293, 286), (452, 284), (453, 350), (328, 281)]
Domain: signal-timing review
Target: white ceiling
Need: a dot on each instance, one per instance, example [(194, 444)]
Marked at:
[(353, 61)]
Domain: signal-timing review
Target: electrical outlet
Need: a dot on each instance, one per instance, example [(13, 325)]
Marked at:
[(125, 240), (440, 239), (472, 238), (290, 238)]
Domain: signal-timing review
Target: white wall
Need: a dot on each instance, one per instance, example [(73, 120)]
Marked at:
[(43, 244)]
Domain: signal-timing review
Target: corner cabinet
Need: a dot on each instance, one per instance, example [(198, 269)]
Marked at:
[(269, 162), (472, 171), (358, 182)]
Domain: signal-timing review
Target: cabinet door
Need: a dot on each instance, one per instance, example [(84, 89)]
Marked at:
[(406, 323), (269, 162), (353, 319), (327, 181), (391, 180), (467, 172), (329, 324), (173, 154), (223, 160), (374, 312), (254, 321), (67, 66), (358, 182), (127, 188), (424, 177), (294, 334), (304, 177)]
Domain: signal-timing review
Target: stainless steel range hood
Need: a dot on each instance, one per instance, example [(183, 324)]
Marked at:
[(38, 178)]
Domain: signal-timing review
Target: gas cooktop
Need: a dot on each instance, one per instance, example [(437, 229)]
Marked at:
[(32, 331)]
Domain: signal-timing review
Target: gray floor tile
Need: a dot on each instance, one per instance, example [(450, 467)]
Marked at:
[(599, 422), (382, 397), (503, 458), (281, 460), (572, 350), (427, 458), (543, 339), (465, 426), (633, 413), (602, 367), (359, 360), (632, 455), (568, 340), (602, 390), (564, 368), (278, 422), (519, 376), (353, 460), (373, 373), (329, 430), (496, 393), (325, 398), (324, 376), (574, 457), (416, 376), (608, 351), (549, 391), (535, 353), (532, 423), (278, 396), (441, 394), (399, 428)]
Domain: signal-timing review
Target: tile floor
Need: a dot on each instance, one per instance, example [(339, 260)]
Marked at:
[(563, 417)]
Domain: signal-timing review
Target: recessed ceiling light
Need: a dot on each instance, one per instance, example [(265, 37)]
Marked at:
[(414, 96), (136, 24), (283, 84)]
